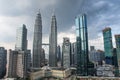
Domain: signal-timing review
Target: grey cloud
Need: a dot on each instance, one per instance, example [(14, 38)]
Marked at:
[(101, 13)]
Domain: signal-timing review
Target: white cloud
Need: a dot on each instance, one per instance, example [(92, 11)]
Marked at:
[(20, 4), (98, 43), (68, 34), (8, 26)]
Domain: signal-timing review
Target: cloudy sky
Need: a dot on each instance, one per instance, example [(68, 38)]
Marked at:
[(100, 14)]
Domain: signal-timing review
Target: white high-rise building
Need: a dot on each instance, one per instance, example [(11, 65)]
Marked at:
[(18, 64), (66, 51), (53, 43)]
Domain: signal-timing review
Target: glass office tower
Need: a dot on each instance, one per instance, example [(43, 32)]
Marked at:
[(108, 47), (117, 39), (82, 45), (21, 38)]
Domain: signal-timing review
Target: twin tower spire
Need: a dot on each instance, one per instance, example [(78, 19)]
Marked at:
[(37, 43)]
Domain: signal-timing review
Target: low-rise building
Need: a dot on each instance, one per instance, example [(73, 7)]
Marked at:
[(46, 72), (105, 71)]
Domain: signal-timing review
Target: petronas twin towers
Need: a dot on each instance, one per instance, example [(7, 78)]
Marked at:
[(37, 43), (53, 43)]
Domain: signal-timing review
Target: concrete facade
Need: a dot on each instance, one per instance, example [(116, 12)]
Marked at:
[(18, 64), (49, 73), (12, 64), (66, 51)]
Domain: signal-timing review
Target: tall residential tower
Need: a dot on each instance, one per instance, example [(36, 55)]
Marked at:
[(37, 42), (53, 43), (66, 52), (3, 61)]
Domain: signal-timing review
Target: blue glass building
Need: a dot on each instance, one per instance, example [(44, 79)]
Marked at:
[(82, 45), (108, 47), (117, 39)]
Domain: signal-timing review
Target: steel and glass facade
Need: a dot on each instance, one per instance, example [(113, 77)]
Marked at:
[(3, 61), (108, 47), (53, 43), (37, 42), (21, 38), (117, 39), (82, 45)]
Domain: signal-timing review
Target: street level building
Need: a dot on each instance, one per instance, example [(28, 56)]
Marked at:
[(48, 73)]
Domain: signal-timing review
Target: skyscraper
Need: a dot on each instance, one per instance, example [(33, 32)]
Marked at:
[(18, 64), (53, 43), (43, 58), (73, 54), (96, 56), (117, 39), (66, 51), (3, 61), (108, 47), (21, 38), (82, 45), (37, 42), (22, 63), (58, 53), (12, 63)]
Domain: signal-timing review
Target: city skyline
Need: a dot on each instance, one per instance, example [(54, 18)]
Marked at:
[(59, 39), (16, 16)]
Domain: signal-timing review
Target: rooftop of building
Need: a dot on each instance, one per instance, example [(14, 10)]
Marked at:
[(83, 14), (106, 29), (100, 51), (117, 35), (1, 48), (55, 68)]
